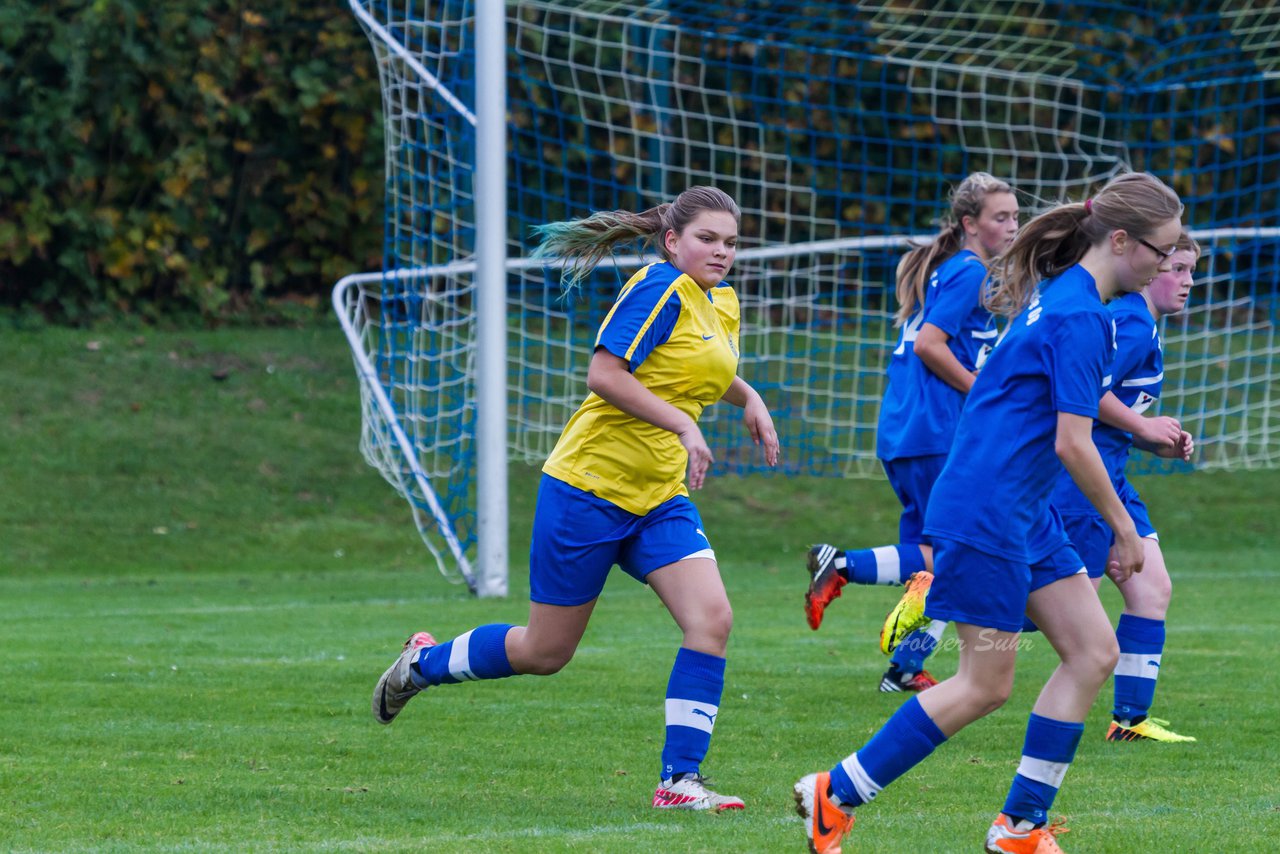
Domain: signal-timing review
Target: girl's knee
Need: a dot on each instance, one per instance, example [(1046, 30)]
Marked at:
[(544, 662), (718, 622), (531, 658), (721, 620), (709, 632), (1098, 659), (995, 696), (1154, 603), (983, 698), (1147, 595), (1109, 656)]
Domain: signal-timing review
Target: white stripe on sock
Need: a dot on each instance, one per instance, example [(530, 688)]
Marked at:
[(888, 565), (935, 630), (1140, 664), (1043, 771), (866, 788), (692, 714), (460, 658)]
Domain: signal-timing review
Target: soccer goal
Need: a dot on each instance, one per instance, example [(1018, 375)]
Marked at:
[(839, 129)]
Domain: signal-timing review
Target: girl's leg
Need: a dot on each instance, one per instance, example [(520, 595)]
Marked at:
[(883, 565), (693, 592), (969, 583), (981, 685), (909, 636), (549, 641), (830, 569), (1072, 618), (1141, 634), (500, 649), (1147, 593), (492, 651)]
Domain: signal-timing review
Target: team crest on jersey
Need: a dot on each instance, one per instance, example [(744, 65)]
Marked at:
[(1143, 403), (983, 352)]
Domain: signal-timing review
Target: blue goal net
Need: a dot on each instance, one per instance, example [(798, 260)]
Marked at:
[(839, 129)]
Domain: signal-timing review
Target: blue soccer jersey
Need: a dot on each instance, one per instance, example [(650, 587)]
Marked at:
[(993, 494), (919, 411), (1137, 377)]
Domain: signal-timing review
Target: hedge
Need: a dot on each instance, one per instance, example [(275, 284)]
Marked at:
[(183, 158)]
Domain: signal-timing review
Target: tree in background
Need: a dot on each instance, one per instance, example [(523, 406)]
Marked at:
[(183, 158)]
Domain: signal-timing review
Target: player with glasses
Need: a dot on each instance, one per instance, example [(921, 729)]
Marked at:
[(1001, 553)]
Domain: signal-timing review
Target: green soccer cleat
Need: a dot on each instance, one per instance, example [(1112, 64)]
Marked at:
[(1148, 729), (908, 614)]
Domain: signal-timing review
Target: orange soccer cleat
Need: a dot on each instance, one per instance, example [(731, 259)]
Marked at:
[(1003, 838), (825, 823), (824, 583)]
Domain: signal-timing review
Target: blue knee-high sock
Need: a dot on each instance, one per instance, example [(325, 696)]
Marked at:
[(478, 654), (884, 564), (902, 743), (1046, 754), (693, 701), (909, 655), (1141, 647)]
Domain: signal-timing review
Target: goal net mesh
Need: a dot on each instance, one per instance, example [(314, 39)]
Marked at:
[(839, 129)]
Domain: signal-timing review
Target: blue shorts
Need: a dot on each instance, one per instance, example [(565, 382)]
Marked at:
[(1093, 537), (971, 586), (912, 479), (577, 538)]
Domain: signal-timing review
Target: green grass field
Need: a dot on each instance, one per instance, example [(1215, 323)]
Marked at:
[(202, 580)]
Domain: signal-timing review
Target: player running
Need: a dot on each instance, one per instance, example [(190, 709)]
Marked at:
[(946, 335), (1137, 378), (1000, 551), (613, 490)]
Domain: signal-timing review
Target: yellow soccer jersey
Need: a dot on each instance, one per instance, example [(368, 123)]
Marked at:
[(683, 346)]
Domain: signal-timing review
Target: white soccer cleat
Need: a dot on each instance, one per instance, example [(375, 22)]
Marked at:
[(395, 688), (692, 793)]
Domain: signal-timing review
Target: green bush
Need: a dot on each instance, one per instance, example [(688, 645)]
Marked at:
[(183, 158)]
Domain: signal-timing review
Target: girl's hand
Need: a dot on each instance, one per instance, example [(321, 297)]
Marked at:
[(1162, 433), (1185, 448), (760, 425), (1126, 556), (700, 458)]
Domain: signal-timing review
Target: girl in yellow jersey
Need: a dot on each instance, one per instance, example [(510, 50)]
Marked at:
[(613, 490)]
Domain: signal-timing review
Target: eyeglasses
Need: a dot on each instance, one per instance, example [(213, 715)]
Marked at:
[(1163, 255)]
